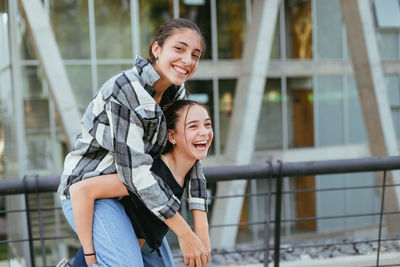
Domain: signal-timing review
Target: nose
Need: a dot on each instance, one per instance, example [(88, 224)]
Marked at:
[(204, 131), (187, 58)]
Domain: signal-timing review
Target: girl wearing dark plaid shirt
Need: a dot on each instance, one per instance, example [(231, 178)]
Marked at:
[(123, 129)]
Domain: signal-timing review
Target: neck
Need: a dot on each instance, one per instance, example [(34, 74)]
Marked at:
[(160, 85), (180, 165)]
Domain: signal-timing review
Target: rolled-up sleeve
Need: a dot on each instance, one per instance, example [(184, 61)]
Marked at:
[(197, 193), (133, 164)]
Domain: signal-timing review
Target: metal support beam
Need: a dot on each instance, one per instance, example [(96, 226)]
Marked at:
[(246, 111), (50, 59), (374, 100)]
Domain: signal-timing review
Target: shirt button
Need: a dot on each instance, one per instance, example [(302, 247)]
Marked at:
[(152, 124)]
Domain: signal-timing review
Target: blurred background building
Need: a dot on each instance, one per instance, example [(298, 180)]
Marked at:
[(307, 108)]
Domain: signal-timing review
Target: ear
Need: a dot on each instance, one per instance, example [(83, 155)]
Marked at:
[(155, 48), (171, 136)]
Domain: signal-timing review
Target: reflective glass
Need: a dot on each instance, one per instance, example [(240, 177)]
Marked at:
[(231, 15), (81, 83), (202, 91), (393, 87), (388, 44), (113, 29), (330, 110), (269, 131), (152, 14), (104, 72), (328, 29), (226, 99), (26, 47), (32, 85), (70, 23), (356, 128), (299, 29), (199, 12), (300, 112)]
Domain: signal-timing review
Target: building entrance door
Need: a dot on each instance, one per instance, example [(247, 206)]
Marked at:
[(303, 129)]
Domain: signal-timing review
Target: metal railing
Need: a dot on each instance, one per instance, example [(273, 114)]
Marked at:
[(269, 171)]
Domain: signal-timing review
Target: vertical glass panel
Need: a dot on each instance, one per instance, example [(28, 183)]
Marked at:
[(113, 26), (329, 29), (388, 44), (331, 203), (105, 72), (361, 200), (32, 82), (81, 83), (330, 109), (202, 91), (70, 23), (356, 127), (300, 109), (26, 46), (276, 43), (226, 99), (231, 15), (152, 14), (200, 13), (299, 26), (393, 87), (269, 132)]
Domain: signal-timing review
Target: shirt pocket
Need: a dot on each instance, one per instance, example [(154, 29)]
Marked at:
[(150, 116)]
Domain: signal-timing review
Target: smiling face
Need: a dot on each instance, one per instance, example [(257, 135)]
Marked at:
[(178, 58), (193, 133)]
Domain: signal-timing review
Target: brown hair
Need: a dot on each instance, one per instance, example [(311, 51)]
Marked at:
[(169, 28), (171, 113)]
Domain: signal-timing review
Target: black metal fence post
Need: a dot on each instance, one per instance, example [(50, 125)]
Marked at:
[(28, 221), (267, 217), (41, 227), (278, 212), (381, 218)]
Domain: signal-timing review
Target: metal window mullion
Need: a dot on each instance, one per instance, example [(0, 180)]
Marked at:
[(315, 77), (284, 104), (92, 41), (248, 12), (135, 28)]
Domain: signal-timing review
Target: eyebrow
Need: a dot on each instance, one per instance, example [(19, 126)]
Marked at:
[(208, 119), (185, 44)]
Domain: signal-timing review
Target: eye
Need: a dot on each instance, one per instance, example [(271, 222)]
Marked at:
[(195, 56), (178, 48), (208, 124)]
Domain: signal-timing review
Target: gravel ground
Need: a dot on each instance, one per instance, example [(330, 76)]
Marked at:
[(310, 249)]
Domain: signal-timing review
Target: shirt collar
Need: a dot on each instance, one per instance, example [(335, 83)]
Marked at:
[(147, 73)]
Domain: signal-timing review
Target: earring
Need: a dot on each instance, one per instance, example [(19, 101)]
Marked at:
[(157, 60), (173, 143)]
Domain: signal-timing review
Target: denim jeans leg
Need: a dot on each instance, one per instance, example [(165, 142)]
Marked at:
[(152, 259), (114, 239)]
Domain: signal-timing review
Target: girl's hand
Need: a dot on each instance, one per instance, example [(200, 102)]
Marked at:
[(201, 230), (90, 260), (204, 237), (194, 252)]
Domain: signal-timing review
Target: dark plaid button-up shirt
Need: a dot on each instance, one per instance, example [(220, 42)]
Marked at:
[(123, 129)]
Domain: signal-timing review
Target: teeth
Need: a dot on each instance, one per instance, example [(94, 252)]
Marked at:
[(180, 70), (201, 143)]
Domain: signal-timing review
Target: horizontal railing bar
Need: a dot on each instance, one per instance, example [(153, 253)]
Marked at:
[(223, 173), (37, 239)]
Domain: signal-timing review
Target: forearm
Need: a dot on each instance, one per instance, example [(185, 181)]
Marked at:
[(200, 220), (178, 225), (83, 209)]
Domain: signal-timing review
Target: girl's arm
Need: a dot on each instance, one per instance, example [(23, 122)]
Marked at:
[(83, 194), (201, 230)]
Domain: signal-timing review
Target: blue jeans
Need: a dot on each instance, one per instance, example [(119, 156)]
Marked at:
[(114, 239)]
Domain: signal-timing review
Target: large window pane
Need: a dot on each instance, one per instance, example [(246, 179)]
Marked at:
[(70, 23), (300, 112), (299, 29), (226, 99), (32, 83), (329, 29), (199, 13), (330, 110), (152, 14), (113, 29), (393, 87), (231, 23), (81, 83), (356, 129), (269, 132), (388, 44), (104, 72)]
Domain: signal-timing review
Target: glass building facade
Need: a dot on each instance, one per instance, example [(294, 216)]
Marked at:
[(301, 110)]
